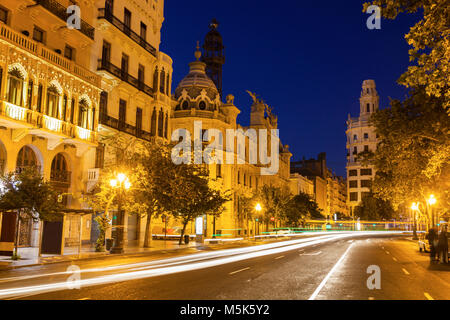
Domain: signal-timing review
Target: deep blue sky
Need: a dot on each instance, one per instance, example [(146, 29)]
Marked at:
[(306, 59)]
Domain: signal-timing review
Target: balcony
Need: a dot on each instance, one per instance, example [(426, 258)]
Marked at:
[(60, 11), (108, 16), (119, 73), (17, 39), (60, 177), (125, 127)]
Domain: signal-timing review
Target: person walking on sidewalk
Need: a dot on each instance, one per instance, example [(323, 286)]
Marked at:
[(443, 245), (433, 241)]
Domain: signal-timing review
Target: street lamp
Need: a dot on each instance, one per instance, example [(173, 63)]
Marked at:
[(414, 208), (258, 209), (121, 184), (430, 202)]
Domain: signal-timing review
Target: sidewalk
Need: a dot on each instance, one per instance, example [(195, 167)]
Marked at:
[(29, 255)]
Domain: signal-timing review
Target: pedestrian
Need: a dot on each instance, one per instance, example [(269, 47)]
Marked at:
[(443, 245), (432, 240)]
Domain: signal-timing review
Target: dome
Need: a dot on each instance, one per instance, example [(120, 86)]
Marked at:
[(196, 81)]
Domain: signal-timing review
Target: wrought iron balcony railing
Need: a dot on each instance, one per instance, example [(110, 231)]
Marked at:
[(108, 16), (124, 76), (60, 176), (125, 127), (61, 12)]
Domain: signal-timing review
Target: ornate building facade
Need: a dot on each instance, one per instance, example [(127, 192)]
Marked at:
[(361, 137), (49, 102)]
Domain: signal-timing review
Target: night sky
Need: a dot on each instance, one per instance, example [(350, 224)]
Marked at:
[(306, 59)]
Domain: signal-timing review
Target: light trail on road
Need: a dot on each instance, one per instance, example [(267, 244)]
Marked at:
[(192, 262)]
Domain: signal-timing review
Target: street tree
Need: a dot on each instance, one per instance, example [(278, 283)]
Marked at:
[(412, 159), (274, 201), (30, 196), (299, 208), (374, 209), (429, 39)]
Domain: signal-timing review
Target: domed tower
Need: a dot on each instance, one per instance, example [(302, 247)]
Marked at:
[(369, 101), (214, 55), (197, 90)]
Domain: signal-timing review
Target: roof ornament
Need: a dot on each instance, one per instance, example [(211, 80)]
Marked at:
[(198, 53)]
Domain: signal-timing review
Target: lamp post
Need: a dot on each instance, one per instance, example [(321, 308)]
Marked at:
[(121, 184), (414, 208), (430, 202), (258, 209)]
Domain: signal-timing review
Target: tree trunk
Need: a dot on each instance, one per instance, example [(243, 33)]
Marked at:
[(182, 232), (148, 233), (16, 244)]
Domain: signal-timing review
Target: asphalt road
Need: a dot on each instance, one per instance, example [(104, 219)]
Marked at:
[(322, 268)]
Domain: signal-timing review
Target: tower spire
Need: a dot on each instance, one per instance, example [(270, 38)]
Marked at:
[(213, 55)]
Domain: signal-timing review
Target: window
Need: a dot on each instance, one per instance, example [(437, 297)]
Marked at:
[(83, 110), (355, 150), (143, 31), (39, 98), (59, 171), (155, 80), (100, 156), (353, 196), (355, 137), (109, 4), (153, 123), (69, 52), (30, 93), (160, 123), (15, 87), (124, 67), (52, 101), (26, 158), (353, 183), (103, 103), (168, 84), (366, 136), (3, 15), (122, 113), (366, 183), (72, 110), (245, 179), (202, 105), (239, 177), (366, 172), (365, 195), (162, 81), (106, 52), (138, 121), (353, 173), (141, 76), (127, 21), (185, 105), (218, 170), (38, 34), (368, 107), (64, 108), (166, 124), (366, 148)]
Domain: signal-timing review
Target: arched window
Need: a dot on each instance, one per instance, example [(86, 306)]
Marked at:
[(162, 81), (168, 85), (52, 101), (155, 80), (202, 105), (185, 105), (166, 126), (160, 123), (368, 107), (26, 158), (83, 110), (59, 171), (153, 124), (15, 87)]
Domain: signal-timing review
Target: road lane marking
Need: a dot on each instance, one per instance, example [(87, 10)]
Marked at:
[(311, 254), (394, 258), (324, 281), (280, 257), (427, 295), (240, 270), (387, 252), (405, 271)]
